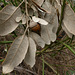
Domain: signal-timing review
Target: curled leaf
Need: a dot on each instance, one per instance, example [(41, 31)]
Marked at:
[(23, 18), (16, 54), (30, 56), (39, 20), (18, 19), (7, 19), (35, 19)]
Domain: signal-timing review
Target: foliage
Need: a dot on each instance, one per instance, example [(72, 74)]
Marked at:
[(33, 15)]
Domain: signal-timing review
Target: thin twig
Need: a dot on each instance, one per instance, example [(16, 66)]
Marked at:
[(26, 12), (23, 70), (51, 67), (20, 4), (26, 15)]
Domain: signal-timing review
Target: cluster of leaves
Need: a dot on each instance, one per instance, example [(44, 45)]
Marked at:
[(38, 11)]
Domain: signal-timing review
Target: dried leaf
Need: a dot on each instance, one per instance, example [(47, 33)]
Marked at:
[(48, 33), (7, 19), (31, 11), (67, 32), (30, 56), (32, 24), (44, 34), (47, 6), (39, 7), (55, 24), (35, 19), (37, 39), (34, 8), (57, 5), (23, 18), (58, 1), (15, 54), (18, 19), (69, 19), (39, 20)]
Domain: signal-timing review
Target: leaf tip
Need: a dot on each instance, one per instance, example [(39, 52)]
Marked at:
[(6, 70)]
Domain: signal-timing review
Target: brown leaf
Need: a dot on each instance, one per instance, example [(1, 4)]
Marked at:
[(7, 19), (16, 54), (30, 56)]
